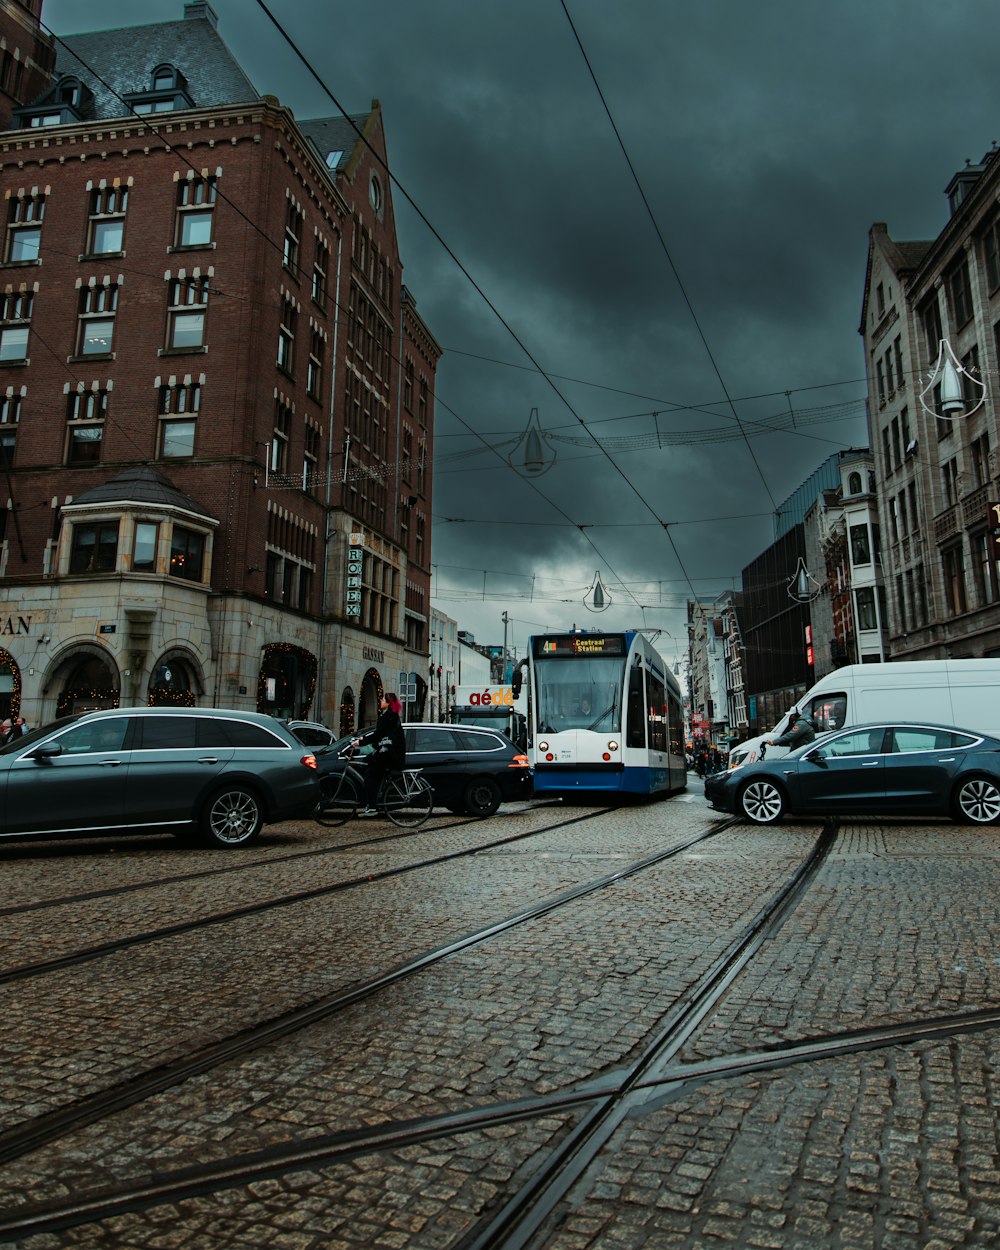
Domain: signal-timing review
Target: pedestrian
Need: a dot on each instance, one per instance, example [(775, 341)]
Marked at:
[(389, 753), (6, 731), (798, 733), (20, 727)]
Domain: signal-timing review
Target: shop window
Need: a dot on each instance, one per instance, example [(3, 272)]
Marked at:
[(187, 554)]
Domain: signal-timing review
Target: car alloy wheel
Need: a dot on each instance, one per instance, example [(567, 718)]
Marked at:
[(762, 802), (232, 817), (978, 801)]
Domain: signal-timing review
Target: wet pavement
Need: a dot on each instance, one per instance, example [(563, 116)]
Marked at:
[(890, 1145)]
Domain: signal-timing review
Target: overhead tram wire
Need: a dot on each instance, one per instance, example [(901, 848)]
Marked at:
[(677, 278), (462, 268)]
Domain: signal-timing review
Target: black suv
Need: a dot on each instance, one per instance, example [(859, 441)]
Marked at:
[(221, 774), (471, 770)]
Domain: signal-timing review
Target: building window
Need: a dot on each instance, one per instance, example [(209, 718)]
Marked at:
[(15, 316), (195, 211), (953, 568), (167, 92), (280, 437), (293, 238), (286, 337), (179, 405), (310, 458), (853, 483), (897, 351), (867, 614), (408, 386), (314, 369), (98, 305), (85, 414), (959, 292), (969, 376), (186, 313), (991, 254), (949, 482), (861, 552), (107, 220), (983, 567), (321, 267), (94, 548), (187, 554), (930, 316), (980, 457), (144, 547), (24, 228)]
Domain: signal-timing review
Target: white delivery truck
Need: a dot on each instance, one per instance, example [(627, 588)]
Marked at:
[(965, 693)]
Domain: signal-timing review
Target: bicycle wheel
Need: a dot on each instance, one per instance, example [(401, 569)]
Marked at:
[(338, 801), (406, 801)]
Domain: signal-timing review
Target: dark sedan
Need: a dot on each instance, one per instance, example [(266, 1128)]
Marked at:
[(470, 770), (879, 769)]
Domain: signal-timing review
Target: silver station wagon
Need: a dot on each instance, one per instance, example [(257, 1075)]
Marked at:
[(217, 775)]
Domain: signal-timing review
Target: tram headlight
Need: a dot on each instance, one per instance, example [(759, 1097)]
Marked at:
[(543, 746), (612, 745)]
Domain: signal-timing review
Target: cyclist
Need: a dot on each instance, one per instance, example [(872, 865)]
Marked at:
[(390, 750)]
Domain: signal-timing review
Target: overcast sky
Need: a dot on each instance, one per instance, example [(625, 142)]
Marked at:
[(723, 279)]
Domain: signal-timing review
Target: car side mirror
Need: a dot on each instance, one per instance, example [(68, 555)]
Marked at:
[(45, 753), (815, 757)]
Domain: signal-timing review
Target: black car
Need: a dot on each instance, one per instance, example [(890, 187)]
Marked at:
[(471, 770), (877, 769), (220, 774)]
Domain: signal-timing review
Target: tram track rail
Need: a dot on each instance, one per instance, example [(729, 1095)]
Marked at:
[(101, 950), (50, 1126), (243, 864), (593, 1109)]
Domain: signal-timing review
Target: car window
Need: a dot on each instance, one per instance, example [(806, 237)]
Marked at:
[(860, 742), (916, 739), (167, 732), (430, 740), (312, 736), (478, 742), (239, 733), (94, 736)]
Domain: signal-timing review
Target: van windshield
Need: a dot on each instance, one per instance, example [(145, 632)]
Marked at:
[(827, 711)]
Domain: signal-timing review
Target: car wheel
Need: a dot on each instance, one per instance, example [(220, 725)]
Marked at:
[(481, 797), (977, 801), (762, 802), (233, 816)]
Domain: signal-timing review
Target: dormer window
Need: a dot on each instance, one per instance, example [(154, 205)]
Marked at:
[(167, 92), (68, 101)]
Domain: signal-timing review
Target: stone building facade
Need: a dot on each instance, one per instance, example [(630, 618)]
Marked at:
[(930, 324)]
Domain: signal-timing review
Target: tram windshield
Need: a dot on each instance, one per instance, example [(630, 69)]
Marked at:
[(579, 693)]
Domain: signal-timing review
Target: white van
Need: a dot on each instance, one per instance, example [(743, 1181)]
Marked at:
[(965, 693)]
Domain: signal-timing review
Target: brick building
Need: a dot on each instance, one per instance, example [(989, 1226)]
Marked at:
[(216, 395)]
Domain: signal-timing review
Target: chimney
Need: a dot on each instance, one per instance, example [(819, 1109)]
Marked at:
[(201, 10)]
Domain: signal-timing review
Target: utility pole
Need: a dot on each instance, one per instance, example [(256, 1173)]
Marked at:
[(506, 619)]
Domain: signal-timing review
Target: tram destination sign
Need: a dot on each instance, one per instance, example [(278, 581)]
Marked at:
[(567, 645)]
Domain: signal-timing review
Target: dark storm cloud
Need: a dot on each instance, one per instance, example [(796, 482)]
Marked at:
[(766, 137)]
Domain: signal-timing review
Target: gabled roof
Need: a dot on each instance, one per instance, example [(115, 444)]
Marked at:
[(114, 63), (903, 258), (336, 134), (142, 484)]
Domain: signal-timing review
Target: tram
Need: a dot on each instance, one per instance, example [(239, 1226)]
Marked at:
[(604, 715)]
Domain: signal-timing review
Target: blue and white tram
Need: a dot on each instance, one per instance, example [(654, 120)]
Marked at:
[(605, 714)]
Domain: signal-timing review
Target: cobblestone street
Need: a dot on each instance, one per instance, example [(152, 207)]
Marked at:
[(455, 1003)]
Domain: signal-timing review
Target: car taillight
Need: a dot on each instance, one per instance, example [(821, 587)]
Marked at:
[(308, 760), (519, 761)]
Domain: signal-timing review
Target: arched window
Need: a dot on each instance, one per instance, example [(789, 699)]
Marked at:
[(854, 484)]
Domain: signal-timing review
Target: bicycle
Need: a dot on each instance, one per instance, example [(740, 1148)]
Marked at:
[(404, 796)]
